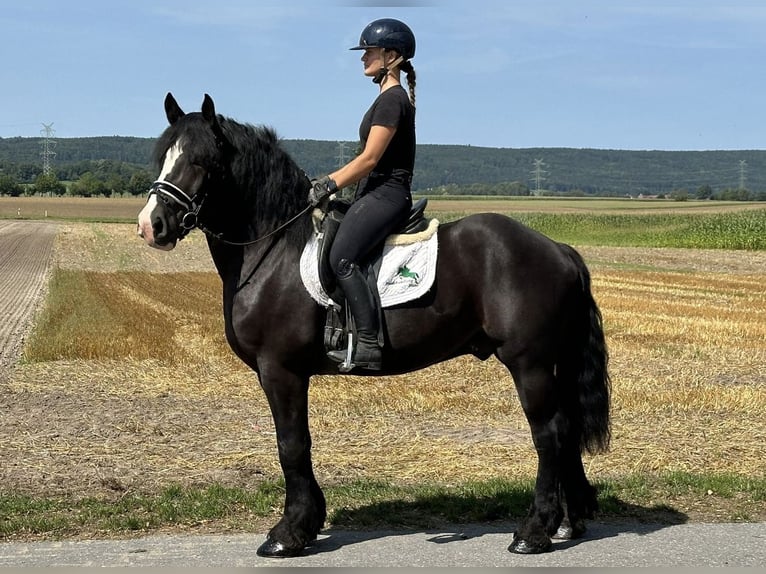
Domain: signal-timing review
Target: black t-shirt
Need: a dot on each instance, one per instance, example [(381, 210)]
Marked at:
[(392, 108)]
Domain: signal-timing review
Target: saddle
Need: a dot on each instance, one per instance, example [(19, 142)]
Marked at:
[(339, 323), (333, 215)]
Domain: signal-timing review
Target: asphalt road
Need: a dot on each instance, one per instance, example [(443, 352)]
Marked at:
[(628, 544)]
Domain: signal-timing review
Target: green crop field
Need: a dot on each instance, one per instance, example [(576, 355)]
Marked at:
[(579, 221)]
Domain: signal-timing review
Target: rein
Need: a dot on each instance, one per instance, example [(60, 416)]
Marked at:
[(219, 236), (165, 191)]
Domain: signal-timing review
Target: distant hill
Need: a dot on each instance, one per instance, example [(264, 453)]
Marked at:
[(73, 150), (439, 168)]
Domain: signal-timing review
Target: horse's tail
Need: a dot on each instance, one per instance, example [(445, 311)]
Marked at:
[(586, 363)]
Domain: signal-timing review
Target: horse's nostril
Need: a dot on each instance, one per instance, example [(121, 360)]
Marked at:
[(157, 226)]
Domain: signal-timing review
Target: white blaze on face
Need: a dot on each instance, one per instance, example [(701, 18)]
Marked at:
[(145, 217), (171, 157)]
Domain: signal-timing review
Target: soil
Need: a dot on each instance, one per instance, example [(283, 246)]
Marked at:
[(25, 258)]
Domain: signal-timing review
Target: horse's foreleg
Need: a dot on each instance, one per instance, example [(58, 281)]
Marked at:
[(537, 392), (304, 511)]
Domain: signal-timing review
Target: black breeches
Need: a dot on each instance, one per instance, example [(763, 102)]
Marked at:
[(369, 220)]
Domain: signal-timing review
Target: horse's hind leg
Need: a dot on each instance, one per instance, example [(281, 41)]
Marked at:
[(579, 495), (537, 392)]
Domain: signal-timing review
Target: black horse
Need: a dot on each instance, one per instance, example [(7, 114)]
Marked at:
[(501, 289)]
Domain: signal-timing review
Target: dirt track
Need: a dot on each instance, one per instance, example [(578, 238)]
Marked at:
[(25, 257)]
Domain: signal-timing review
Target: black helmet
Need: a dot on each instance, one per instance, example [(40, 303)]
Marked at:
[(389, 34)]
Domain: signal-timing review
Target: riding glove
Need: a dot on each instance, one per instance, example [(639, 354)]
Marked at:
[(321, 188)]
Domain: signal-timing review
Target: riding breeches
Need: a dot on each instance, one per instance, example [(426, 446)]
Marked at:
[(374, 215)]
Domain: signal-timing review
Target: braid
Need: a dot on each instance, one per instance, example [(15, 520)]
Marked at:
[(410, 71)]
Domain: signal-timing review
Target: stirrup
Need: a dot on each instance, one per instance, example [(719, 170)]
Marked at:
[(344, 357)]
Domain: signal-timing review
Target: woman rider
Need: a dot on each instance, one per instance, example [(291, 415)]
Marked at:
[(383, 174)]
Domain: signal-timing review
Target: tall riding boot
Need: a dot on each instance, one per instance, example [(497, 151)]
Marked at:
[(364, 308)]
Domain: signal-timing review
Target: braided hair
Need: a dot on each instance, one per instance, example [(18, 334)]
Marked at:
[(407, 68)]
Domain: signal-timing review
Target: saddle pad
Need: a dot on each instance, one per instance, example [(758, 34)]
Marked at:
[(406, 272)]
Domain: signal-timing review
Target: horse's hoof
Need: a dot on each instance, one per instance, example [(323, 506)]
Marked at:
[(521, 546), (275, 549)]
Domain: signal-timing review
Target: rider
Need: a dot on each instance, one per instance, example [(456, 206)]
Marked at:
[(383, 174)]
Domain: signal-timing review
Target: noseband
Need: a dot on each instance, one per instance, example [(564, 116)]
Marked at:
[(169, 192)]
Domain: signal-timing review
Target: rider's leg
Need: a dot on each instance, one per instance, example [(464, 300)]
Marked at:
[(367, 353), (364, 227)]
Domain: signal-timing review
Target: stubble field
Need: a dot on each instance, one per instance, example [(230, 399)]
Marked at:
[(129, 385)]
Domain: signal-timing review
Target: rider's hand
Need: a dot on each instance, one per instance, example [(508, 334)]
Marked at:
[(321, 188)]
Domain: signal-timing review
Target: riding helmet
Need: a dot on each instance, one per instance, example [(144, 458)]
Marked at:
[(389, 34)]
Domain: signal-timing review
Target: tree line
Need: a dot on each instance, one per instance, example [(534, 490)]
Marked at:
[(107, 166), (103, 178)]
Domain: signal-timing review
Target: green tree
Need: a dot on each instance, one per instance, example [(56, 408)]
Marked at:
[(48, 185), (139, 183), (704, 192), (88, 186), (9, 186), (115, 184), (736, 194)]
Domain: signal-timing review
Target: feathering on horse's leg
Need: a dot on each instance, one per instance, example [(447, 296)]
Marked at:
[(579, 496)]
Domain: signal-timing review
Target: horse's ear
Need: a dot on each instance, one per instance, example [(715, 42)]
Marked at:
[(208, 112), (172, 110), (208, 109)]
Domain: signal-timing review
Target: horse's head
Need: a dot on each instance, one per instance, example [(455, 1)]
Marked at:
[(190, 152), (234, 181)]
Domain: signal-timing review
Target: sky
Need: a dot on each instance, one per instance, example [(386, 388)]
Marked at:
[(633, 75)]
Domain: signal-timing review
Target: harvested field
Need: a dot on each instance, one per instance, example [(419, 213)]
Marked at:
[(687, 334), (102, 208)]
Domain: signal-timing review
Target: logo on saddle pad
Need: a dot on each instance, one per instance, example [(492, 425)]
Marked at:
[(405, 274)]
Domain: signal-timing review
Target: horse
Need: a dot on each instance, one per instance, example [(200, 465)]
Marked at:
[(501, 289)]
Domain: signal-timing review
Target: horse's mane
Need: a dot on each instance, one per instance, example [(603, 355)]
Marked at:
[(263, 183)]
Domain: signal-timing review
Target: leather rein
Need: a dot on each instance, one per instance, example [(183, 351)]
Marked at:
[(169, 192)]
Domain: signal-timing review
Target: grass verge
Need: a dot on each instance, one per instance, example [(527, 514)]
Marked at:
[(669, 498)]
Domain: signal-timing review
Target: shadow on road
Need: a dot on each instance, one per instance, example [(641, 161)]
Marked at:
[(453, 518)]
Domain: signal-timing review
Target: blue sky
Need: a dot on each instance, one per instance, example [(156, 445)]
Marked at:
[(641, 74)]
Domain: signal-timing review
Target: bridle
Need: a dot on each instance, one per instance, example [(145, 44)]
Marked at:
[(167, 192), (191, 205)]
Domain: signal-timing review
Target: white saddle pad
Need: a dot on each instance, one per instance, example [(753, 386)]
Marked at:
[(406, 272)]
